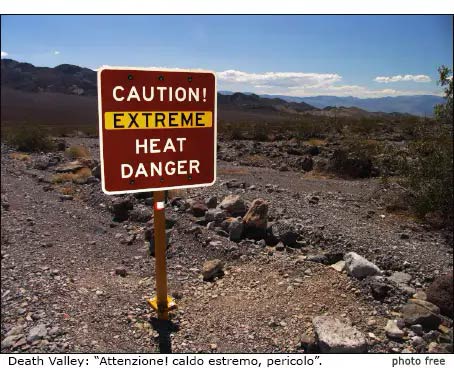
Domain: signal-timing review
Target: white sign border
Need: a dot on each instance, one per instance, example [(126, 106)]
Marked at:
[(101, 150)]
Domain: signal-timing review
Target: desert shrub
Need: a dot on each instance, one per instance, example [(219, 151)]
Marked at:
[(29, 139), (428, 170), (80, 176), (20, 156), (75, 152)]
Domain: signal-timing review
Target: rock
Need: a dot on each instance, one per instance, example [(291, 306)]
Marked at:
[(285, 231), (234, 205), (309, 344), (326, 258), (41, 163), (421, 312), (393, 331), (283, 167), (120, 208), (280, 246), (66, 197), (121, 271), (379, 287), (435, 348), (421, 295), (400, 278), (69, 167), (211, 269), (96, 172), (440, 293), (197, 207), (306, 163), (215, 215), (37, 333), (256, 219), (338, 266), (212, 202), (140, 214), (236, 230), (9, 341), (336, 337), (359, 267), (345, 163), (417, 329)]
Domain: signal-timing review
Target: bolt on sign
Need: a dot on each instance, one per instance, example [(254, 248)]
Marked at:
[(157, 129)]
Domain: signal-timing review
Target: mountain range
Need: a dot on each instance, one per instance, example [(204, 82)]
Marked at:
[(66, 94)]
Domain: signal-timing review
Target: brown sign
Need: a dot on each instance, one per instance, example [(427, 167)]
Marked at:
[(157, 129)]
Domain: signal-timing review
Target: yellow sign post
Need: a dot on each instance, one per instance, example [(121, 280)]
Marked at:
[(161, 302)]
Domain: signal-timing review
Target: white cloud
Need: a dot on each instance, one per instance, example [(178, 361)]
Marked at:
[(278, 79), (4, 54), (420, 78), (297, 84), (301, 84), (56, 52)]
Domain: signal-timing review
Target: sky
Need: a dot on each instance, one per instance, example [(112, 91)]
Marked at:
[(361, 56)]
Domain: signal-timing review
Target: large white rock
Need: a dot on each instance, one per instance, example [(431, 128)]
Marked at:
[(336, 337), (359, 267)]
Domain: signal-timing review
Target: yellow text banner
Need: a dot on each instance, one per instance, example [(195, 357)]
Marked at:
[(157, 119)]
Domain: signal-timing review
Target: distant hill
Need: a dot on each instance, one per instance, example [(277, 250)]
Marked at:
[(421, 105), (65, 78), (66, 96)]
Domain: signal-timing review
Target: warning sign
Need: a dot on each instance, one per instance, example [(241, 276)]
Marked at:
[(157, 129)]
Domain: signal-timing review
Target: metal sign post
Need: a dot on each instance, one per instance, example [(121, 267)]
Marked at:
[(162, 303)]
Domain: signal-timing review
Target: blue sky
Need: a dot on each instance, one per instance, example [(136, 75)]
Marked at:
[(362, 56)]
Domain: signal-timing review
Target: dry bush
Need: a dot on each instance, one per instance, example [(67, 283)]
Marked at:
[(20, 156), (75, 152), (28, 138), (80, 176)]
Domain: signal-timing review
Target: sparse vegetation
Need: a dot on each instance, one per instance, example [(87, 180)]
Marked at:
[(80, 176), (28, 138), (20, 156), (76, 152), (428, 168)]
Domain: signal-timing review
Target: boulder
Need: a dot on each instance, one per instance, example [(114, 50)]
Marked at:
[(379, 286), (236, 230), (336, 337), (234, 205), (120, 208), (197, 207), (140, 214), (359, 267), (256, 219), (212, 202), (440, 293), (212, 268), (70, 167), (215, 215), (421, 312), (344, 163), (285, 231)]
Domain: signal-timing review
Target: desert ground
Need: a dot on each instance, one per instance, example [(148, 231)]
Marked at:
[(340, 269)]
